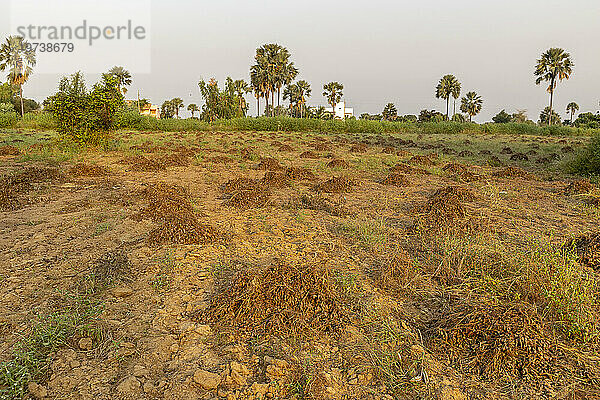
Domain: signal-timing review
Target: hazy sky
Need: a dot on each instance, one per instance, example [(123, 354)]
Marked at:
[(382, 51)]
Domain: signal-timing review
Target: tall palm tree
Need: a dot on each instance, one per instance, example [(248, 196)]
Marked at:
[(240, 88), (258, 83), (292, 93), (192, 108), (455, 94), (18, 57), (123, 77), (177, 103), (572, 108), (554, 65), (304, 91), (447, 87), (471, 104), (333, 93)]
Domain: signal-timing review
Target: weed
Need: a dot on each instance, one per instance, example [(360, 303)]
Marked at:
[(30, 358)]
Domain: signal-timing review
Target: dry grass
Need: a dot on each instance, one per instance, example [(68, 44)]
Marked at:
[(337, 184), (9, 151), (83, 169), (497, 341), (169, 206), (395, 179), (269, 164), (282, 298)]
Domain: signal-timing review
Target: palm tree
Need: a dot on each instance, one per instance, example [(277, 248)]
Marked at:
[(240, 88), (471, 104), (455, 94), (177, 103), (333, 93), (18, 57), (292, 93), (123, 77), (258, 83), (553, 66), (304, 91), (572, 108), (193, 108), (448, 86)]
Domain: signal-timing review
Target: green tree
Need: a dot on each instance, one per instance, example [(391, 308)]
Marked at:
[(554, 65), (448, 86), (192, 108), (167, 110), (122, 76), (272, 71), (86, 116), (502, 117), (390, 112), (471, 104), (292, 93), (572, 108), (549, 116), (18, 57), (456, 87), (304, 91), (333, 92), (239, 88), (177, 105)]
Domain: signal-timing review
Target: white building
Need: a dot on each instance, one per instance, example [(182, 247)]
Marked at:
[(341, 111)]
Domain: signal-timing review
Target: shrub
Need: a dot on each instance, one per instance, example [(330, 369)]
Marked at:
[(87, 117), (8, 119), (587, 161)]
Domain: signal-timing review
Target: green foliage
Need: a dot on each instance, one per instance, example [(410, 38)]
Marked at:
[(502, 117), (8, 119), (333, 92), (6, 108), (30, 359), (587, 161), (223, 104), (471, 104), (272, 71), (545, 114), (430, 116), (87, 117), (390, 112), (448, 87), (588, 120)]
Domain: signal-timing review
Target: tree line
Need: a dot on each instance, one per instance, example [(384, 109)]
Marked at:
[(273, 76)]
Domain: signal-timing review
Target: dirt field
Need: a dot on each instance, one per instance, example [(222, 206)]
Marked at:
[(247, 265)]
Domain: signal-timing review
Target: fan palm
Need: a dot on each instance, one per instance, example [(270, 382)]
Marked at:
[(123, 78), (333, 93), (18, 57), (192, 108), (304, 91), (572, 108), (455, 94), (448, 86), (471, 104), (554, 65), (240, 88), (177, 103)]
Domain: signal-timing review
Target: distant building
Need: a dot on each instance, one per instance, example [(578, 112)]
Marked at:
[(341, 111), (149, 110)]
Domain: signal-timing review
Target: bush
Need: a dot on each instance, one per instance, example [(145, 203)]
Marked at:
[(87, 117), (8, 119), (38, 120), (587, 161)]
